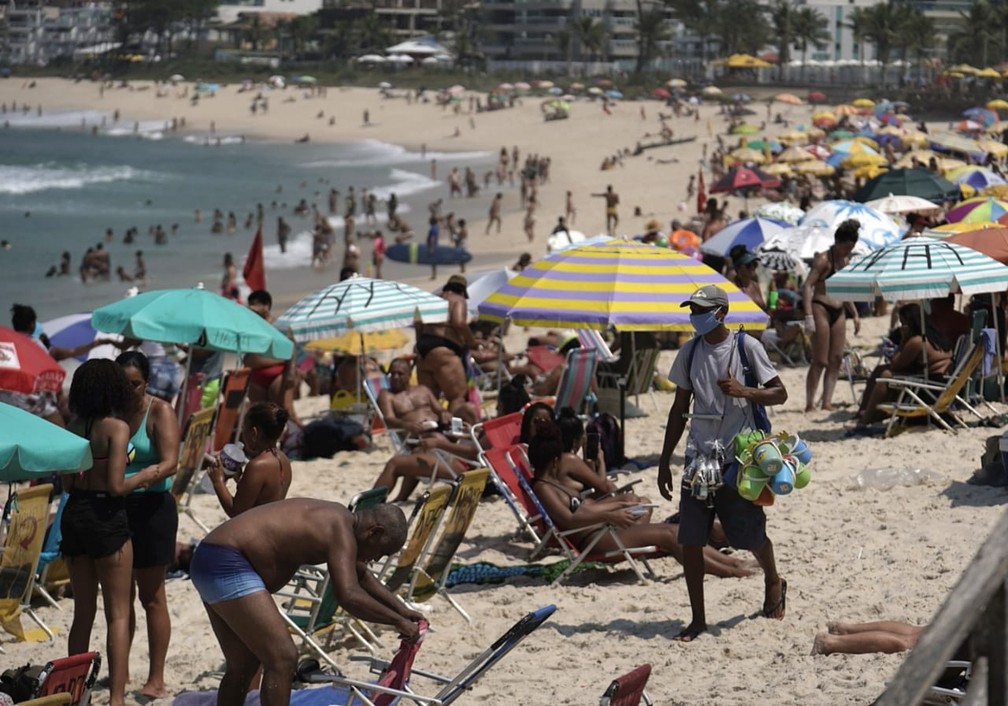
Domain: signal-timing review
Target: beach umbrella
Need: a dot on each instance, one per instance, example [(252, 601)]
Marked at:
[(510, 86), (370, 59), (544, 84), (975, 177), (778, 169), (955, 143), (869, 171), (863, 103), (745, 129), (983, 208), (824, 120), (31, 447), (983, 116), (661, 93), (711, 91), (604, 82), (992, 242), (627, 285), (877, 229), (384, 84), (176, 77), (749, 232), (814, 167), (841, 135), (747, 154), (908, 182), (788, 98), (994, 147), (194, 316), (557, 91), (917, 268), (803, 241), (766, 142), (741, 98), (362, 343), (456, 89), (576, 86), (794, 136), (782, 212), (863, 159), (739, 178), (76, 330), (676, 83), (614, 94), (902, 204), (816, 96), (817, 151), (845, 149), (921, 156), (310, 80), (361, 304), (793, 154), (947, 229), (595, 91), (25, 366), (777, 260), (522, 86)]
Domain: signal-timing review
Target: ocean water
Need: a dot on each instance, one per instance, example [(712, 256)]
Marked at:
[(61, 187)]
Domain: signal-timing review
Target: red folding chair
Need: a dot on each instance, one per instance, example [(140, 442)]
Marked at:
[(74, 675), (628, 690)]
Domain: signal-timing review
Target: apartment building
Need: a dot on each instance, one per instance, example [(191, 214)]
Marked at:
[(40, 32)]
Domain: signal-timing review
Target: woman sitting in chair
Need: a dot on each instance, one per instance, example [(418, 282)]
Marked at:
[(908, 360), (561, 498)]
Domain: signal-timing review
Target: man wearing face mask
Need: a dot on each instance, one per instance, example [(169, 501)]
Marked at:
[(709, 370)]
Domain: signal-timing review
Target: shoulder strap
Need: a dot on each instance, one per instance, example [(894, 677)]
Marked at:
[(689, 357), (740, 343)]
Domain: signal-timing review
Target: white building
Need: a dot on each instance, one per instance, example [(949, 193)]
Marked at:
[(842, 46), (229, 12), (40, 32)]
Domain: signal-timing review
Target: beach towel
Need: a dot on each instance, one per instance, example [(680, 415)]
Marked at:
[(396, 674), (483, 572), (989, 338)]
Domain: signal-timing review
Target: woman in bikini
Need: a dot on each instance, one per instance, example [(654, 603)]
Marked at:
[(561, 497), (825, 318), (266, 477), (96, 535), (151, 511)]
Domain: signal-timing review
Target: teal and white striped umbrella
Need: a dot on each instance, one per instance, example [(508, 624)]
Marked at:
[(918, 268), (361, 304)]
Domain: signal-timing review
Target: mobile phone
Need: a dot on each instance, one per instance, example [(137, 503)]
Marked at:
[(591, 446)]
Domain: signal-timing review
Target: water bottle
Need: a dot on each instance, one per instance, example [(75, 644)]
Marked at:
[(885, 478)]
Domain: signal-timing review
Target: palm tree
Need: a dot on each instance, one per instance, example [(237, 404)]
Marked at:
[(565, 43), (857, 22), (749, 36), (782, 18), (651, 31), (303, 29), (981, 29), (916, 35), (809, 28), (591, 37), (883, 22)]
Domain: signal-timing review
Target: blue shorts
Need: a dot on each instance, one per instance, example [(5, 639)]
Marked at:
[(222, 573)]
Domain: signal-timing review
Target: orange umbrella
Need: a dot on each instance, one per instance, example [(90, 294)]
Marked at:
[(685, 241), (992, 242)]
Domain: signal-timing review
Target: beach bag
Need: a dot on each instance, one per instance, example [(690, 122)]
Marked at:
[(513, 396), (21, 684), (324, 437), (610, 438)]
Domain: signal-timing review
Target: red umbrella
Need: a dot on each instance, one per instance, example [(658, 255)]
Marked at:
[(992, 242), (661, 93), (744, 178), (25, 366), (817, 96)]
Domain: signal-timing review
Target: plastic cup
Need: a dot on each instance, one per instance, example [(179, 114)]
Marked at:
[(766, 498), (767, 456), (745, 440), (784, 482), (233, 458), (751, 483), (772, 299), (802, 477), (800, 450)]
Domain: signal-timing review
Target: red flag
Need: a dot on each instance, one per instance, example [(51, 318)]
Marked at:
[(255, 270), (701, 195)]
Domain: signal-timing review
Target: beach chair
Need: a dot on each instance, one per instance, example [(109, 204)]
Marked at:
[(373, 385), (628, 690), (635, 377), (499, 432), (429, 579), (190, 465), (51, 567), (504, 476), (74, 675), (347, 691), (427, 515), (576, 384), (914, 395), (554, 537), (593, 339), (29, 517), (229, 410)]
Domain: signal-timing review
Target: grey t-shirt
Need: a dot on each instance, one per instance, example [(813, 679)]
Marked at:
[(710, 364)]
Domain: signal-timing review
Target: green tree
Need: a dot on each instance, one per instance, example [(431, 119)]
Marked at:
[(980, 33), (809, 28), (651, 30), (916, 36), (857, 22), (591, 37), (882, 27), (741, 37), (782, 20)]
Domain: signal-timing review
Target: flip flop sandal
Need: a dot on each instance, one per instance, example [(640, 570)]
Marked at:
[(768, 612)]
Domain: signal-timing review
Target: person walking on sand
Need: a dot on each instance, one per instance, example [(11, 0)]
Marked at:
[(570, 213), (495, 212), (611, 203), (709, 370), (433, 235), (826, 318)]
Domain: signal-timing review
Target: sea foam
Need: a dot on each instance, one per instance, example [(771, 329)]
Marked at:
[(373, 152), (42, 177)]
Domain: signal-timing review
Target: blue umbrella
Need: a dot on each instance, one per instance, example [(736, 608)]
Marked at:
[(750, 232), (741, 98), (981, 115), (613, 93), (31, 446)]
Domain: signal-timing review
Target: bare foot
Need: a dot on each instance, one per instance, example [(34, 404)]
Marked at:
[(691, 632), (827, 408), (775, 603), (810, 408), (151, 691), (835, 628), (819, 644)]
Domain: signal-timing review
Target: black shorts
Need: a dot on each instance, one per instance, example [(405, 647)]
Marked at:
[(93, 524), (153, 520), (744, 523), (427, 342)]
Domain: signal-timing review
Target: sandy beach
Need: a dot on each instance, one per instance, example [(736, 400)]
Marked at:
[(849, 554)]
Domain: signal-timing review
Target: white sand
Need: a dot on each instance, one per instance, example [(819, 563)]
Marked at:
[(848, 554)]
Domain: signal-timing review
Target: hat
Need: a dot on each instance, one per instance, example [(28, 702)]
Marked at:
[(745, 258), (709, 296), (524, 258), (459, 281), (652, 225)]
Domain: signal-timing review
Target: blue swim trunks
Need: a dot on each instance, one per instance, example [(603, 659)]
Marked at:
[(222, 573)]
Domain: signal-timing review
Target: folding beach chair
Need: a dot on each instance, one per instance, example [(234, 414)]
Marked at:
[(429, 580), (628, 690), (500, 432), (373, 385), (190, 465), (229, 410), (635, 378), (347, 691), (74, 675), (576, 383), (505, 477), (428, 512), (553, 536), (29, 517), (914, 394), (51, 567)]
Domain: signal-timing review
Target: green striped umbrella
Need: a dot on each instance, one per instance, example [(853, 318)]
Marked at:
[(918, 268), (361, 304)]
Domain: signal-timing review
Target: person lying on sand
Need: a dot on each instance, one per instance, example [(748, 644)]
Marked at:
[(886, 636)]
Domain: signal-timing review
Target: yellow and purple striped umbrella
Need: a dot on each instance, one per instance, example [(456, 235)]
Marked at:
[(627, 285)]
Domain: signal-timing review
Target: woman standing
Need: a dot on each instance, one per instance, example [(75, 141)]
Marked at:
[(825, 317), (267, 475), (96, 535), (153, 517)]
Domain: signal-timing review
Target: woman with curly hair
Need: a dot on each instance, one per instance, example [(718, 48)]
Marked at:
[(96, 536)]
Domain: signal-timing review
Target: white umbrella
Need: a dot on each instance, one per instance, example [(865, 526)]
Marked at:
[(429, 61), (804, 241), (877, 229), (902, 204), (176, 77), (370, 59), (384, 84)]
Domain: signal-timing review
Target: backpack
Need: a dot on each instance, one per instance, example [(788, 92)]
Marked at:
[(324, 437), (760, 419), (21, 684), (610, 438)]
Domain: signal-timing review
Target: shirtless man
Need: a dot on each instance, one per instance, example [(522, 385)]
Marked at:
[(611, 202), (495, 213), (441, 347), (244, 560), (412, 408)]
